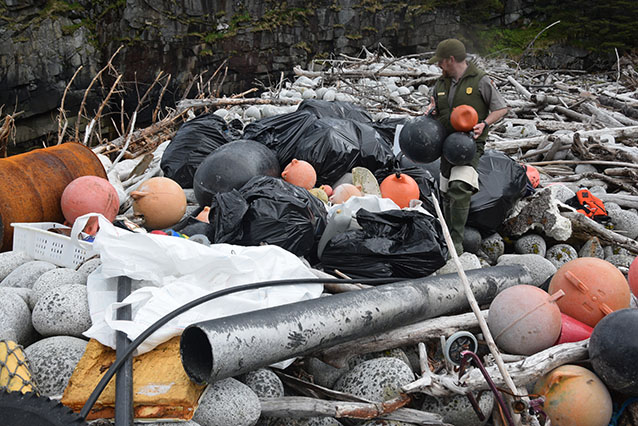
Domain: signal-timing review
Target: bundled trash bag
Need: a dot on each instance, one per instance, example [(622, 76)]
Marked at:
[(335, 109), (268, 210), (387, 127), (434, 168), (502, 182), (427, 184), (281, 133), (334, 146), (194, 140), (394, 243)]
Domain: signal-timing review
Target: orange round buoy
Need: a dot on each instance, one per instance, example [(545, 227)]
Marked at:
[(633, 277), (463, 118), (524, 319), (593, 288), (161, 201), (300, 173), (400, 188), (343, 192), (574, 396), (89, 194), (532, 175)]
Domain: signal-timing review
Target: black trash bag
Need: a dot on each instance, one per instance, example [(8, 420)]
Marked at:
[(281, 133), (268, 210), (394, 243), (334, 146), (194, 140), (434, 168), (427, 184), (502, 182), (335, 109), (387, 127)]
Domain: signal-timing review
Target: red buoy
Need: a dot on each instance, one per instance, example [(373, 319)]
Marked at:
[(89, 194)]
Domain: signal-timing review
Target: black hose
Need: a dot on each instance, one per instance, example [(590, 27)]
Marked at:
[(90, 402)]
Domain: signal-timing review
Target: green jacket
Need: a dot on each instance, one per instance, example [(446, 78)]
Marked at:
[(467, 93)]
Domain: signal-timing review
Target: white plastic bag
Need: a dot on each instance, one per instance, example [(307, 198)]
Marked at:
[(176, 271)]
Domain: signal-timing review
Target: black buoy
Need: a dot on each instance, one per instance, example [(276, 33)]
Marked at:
[(613, 350), (459, 148), (231, 166), (421, 139)]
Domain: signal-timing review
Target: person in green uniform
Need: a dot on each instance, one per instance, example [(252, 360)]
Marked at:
[(462, 83)]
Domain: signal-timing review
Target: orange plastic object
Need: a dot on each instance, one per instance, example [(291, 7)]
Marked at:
[(532, 175), (593, 288), (327, 189), (573, 330), (89, 194), (633, 277), (400, 188), (463, 118), (343, 192), (574, 396), (33, 183), (203, 215), (524, 319), (161, 201), (300, 173)]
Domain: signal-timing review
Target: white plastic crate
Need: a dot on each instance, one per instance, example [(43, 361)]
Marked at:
[(40, 244)]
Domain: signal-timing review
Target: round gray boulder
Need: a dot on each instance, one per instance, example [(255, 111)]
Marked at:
[(10, 260), (560, 254), (468, 261), (531, 244), (15, 317), (378, 379), (493, 247), (25, 275), (625, 222), (592, 248), (308, 421), (89, 266), (52, 361), (539, 267), (63, 311), (55, 278), (324, 374), (457, 410), (228, 402), (264, 383)]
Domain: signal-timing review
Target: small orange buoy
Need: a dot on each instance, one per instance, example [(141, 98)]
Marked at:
[(300, 173), (574, 396), (400, 188), (593, 288), (343, 192), (89, 194), (161, 201), (463, 118)]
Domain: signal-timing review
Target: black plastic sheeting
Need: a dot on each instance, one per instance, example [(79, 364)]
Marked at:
[(502, 182), (335, 109), (268, 210), (395, 243), (194, 140)]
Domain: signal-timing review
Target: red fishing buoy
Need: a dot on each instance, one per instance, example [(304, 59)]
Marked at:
[(89, 194)]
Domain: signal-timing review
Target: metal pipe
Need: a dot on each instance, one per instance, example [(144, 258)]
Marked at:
[(224, 347), (124, 378)]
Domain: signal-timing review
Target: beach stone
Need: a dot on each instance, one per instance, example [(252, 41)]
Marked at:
[(614, 251), (560, 254), (377, 379), (457, 410), (52, 361), (264, 383), (188, 423), (592, 248), (89, 266), (563, 193), (539, 267), (620, 260), (471, 240), (386, 423), (324, 374), (468, 261), (585, 168), (625, 223), (539, 212), (24, 293), (10, 260), (493, 247), (531, 244), (397, 353), (228, 402), (25, 275), (308, 421), (63, 311), (15, 317), (612, 206), (55, 278)]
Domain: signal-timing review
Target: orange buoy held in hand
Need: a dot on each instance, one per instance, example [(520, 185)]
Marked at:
[(463, 118), (161, 201), (400, 188), (593, 288), (300, 173)]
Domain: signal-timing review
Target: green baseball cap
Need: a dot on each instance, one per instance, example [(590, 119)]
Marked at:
[(447, 48)]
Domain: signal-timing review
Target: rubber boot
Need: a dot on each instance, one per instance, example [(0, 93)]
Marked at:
[(459, 194)]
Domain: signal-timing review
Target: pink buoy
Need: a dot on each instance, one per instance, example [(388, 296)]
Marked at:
[(524, 319), (89, 194), (573, 330), (343, 192), (633, 277), (300, 173)]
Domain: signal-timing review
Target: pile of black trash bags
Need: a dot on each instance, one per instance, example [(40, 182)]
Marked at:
[(334, 137)]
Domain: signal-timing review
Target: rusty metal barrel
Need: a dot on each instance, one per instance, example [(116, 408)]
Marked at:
[(32, 184)]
